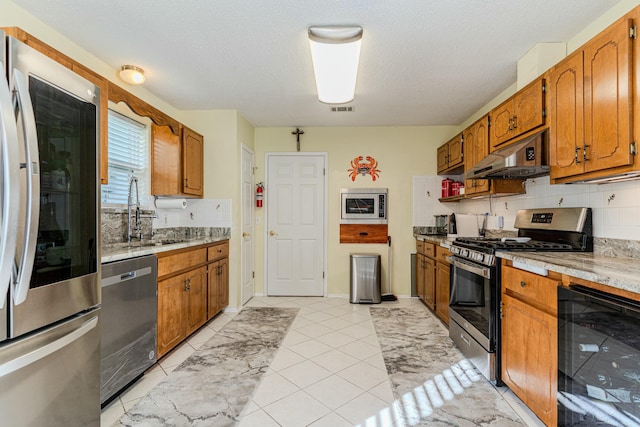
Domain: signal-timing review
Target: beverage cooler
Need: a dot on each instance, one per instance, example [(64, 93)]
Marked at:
[(598, 358)]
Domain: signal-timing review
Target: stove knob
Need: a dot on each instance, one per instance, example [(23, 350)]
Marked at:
[(465, 253)]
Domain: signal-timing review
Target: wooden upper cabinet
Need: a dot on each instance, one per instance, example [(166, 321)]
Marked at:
[(177, 162), (566, 116), (450, 156), (476, 138), (607, 98), (518, 115), (192, 162), (590, 108), (443, 158), (476, 141), (165, 161)]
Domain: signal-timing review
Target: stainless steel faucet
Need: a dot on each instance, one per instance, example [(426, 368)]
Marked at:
[(137, 228)]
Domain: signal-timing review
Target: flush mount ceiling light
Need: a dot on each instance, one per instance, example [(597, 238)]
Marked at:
[(132, 74), (335, 51)]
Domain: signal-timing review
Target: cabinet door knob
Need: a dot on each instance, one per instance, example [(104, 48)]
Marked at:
[(523, 283)]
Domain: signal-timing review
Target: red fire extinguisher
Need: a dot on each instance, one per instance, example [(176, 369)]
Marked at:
[(259, 194)]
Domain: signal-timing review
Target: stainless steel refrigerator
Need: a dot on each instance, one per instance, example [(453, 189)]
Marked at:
[(49, 249)]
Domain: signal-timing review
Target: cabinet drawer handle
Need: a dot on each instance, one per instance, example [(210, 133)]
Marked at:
[(523, 283), (584, 152), (364, 233), (515, 122), (577, 159)]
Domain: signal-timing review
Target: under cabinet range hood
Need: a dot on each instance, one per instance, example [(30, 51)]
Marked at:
[(527, 158)]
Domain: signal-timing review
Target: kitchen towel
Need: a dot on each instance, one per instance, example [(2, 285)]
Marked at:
[(171, 203)]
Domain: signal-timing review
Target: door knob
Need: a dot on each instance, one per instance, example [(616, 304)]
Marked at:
[(245, 234), (272, 233)]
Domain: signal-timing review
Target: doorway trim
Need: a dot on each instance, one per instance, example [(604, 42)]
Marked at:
[(249, 215), (325, 161)]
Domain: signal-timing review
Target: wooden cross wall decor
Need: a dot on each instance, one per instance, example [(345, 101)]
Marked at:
[(297, 133)]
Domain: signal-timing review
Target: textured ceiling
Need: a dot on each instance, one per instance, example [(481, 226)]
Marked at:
[(423, 62)]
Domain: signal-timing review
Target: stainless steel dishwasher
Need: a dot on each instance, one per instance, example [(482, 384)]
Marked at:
[(129, 322)]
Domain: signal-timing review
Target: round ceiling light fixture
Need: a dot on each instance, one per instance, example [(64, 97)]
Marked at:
[(132, 74)]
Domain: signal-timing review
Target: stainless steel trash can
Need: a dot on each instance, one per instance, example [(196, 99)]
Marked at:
[(365, 279)]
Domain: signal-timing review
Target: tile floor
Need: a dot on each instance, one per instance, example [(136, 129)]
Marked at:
[(328, 372)]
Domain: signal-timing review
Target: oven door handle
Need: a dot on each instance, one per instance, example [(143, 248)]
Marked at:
[(470, 267)]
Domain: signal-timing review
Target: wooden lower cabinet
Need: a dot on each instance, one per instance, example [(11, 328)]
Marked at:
[(443, 273), (193, 286), (218, 287), (420, 275), (171, 302), (430, 283), (530, 340), (218, 278), (425, 280), (432, 277), (196, 299), (182, 307)]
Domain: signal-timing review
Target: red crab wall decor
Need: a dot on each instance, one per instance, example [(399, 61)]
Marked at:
[(364, 165)]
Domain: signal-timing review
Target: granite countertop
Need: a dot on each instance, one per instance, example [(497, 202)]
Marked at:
[(617, 272), (441, 240), (120, 251)]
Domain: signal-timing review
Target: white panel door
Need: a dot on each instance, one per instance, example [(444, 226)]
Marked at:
[(247, 225), (295, 199)]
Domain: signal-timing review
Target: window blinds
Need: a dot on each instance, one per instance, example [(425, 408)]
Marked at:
[(128, 155)]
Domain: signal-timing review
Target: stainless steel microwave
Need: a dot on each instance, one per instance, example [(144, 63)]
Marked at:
[(363, 205)]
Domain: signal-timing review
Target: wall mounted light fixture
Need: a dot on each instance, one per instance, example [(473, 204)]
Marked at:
[(132, 74), (335, 51)]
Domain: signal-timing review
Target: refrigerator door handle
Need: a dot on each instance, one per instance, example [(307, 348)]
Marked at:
[(10, 157), (44, 351), (32, 165)]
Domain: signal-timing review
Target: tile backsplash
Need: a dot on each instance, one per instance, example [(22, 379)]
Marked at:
[(615, 206)]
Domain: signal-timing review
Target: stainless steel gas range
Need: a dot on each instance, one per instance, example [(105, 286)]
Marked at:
[(475, 277)]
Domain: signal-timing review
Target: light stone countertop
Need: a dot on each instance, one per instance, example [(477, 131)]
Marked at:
[(617, 272), (441, 240), (120, 251)]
